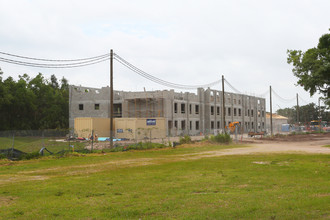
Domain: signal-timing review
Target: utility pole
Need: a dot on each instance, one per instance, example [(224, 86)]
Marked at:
[(320, 116), (271, 111), (223, 104), (111, 99), (297, 110)]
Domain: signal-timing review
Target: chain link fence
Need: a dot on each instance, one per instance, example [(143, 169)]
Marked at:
[(17, 143)]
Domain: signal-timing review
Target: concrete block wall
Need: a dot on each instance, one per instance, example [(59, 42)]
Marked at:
[(179, 109)]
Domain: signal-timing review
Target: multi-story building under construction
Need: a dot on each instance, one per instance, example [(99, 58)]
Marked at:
[(184, 113)]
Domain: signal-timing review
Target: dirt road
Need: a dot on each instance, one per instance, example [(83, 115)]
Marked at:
[(312, 143)]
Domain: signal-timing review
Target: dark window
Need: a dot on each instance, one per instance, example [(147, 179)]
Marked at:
[(218, 110), (212, 124), (190, 125), (212, 110), (175, 124), (190, 109), (235, 112), (239, 112), (97, 107), (197, 125), (218, 124), (197, 109), (229, 111), (251, 112), (170, 124), (183, 125), (183, 108), (81, 106), (248, 112), (175, 107)]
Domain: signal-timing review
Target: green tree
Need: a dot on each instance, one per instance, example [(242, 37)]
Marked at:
[(307, 113), (35, 103), (312, 67)]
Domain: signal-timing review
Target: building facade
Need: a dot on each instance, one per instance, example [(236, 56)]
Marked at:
[(185, 113)]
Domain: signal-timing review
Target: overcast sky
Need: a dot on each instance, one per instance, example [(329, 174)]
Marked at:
[(184, 42)]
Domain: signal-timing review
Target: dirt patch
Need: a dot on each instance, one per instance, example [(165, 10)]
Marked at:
[(7, 200), (298, 137), (261, 162), (322, 195)]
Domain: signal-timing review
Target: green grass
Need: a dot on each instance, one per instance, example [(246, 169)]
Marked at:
[(167, 184), (34, 144)]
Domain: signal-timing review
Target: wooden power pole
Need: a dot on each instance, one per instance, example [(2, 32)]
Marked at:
[(111, 99), (297, 110), (271, 111), (223, 105)]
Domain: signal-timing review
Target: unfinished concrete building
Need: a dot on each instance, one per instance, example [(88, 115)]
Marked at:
[(185, 113)]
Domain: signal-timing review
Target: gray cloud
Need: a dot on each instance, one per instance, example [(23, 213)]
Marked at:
[(186, 42)]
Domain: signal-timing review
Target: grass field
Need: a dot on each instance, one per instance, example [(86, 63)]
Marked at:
[(167, 184), (34, 144)]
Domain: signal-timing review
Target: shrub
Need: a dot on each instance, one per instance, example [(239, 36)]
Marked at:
[(221, 138), (30, 156), (138, 146), (185, 140)]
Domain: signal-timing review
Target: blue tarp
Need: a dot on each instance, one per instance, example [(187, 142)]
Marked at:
[(107, 139), (285, 127)]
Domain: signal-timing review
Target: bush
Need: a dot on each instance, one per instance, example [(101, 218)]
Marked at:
[(138, 146), (221, 138), (185, 140), (30, 156)]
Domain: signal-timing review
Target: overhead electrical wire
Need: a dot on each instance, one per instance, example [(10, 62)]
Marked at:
[(59, 63), (40, 59), (264, 94), (73, 63), (283, 99), (302, 99), (239, 92), (158, 80), (232, 87)]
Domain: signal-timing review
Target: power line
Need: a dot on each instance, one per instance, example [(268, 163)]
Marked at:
[(232, 87), (41, 59), (158, 80), (264, 94), (283, 99), (302, 99), (80, 63)]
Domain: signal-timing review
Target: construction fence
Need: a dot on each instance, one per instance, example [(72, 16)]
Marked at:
[(17, 142)]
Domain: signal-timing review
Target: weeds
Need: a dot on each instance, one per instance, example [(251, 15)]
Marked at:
[(221, 138), (185, 140)]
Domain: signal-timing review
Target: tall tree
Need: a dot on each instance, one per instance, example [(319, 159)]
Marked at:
[(307, 113), (312, 67), (33, 103)]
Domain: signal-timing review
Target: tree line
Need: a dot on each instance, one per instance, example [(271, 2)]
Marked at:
[(307, 113), (34, 103)]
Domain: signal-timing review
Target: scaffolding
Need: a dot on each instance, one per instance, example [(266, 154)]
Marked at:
[(144, 107)]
